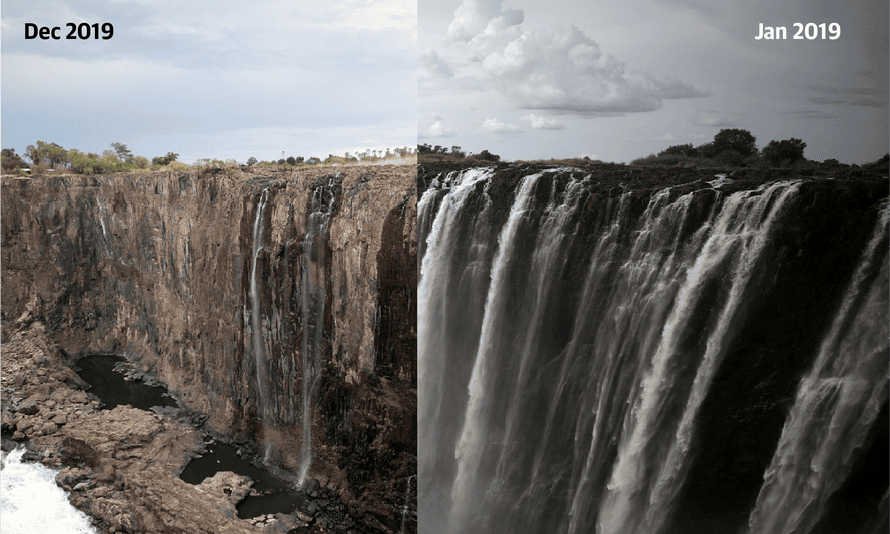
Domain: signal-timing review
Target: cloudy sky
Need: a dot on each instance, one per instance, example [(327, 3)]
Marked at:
[(213, 79), (616, 81)]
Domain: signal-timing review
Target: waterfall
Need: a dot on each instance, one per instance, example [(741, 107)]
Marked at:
[(255, 311), (570, 336), (464, 493), (738, 238), (312, 295), (406, 506), (836, 405)]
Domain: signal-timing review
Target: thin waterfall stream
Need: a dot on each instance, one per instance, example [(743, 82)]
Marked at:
[(312, 291), (255, 310)]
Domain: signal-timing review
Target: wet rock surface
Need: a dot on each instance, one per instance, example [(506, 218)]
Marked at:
[(817, 245)]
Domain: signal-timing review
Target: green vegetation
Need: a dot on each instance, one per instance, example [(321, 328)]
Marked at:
[(740, 141), (732, 148), (122, 152), (427, 153), (784, 152), (164, 160), (11, 162), (53, 158)]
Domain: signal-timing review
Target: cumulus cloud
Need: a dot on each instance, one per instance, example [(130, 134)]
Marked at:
[(430, 65), (542, 123), (434, 126), (493, 125), (378, 14), (438, 129), (556, 70), (474, 17)]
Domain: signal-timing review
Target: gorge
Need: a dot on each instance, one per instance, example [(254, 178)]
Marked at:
[(620, 349), (278, 307)]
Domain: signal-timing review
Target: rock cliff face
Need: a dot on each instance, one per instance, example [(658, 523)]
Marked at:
[(165, 269)]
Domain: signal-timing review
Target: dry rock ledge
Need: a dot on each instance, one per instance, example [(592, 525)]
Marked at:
[(122, 465), (155, 268)]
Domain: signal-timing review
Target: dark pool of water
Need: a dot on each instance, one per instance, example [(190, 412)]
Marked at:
[(284, 502), (110, 386), (278, 496), (113, 390)]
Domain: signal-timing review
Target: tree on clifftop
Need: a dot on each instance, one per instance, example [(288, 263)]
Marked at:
[(164, 160), (734, 139), (123, 153), (485, 155), (11, 160), (51, 153), (787, 150)]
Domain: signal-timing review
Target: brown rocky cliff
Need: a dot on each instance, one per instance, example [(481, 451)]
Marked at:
[(120, 466), (156, 267)]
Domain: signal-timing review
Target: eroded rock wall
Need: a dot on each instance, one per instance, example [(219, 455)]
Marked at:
[(156, 267)]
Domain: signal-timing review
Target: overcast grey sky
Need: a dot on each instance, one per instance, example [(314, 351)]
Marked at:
[(213, 79), (620, 80)]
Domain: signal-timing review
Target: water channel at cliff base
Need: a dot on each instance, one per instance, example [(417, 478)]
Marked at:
[(272, 495)]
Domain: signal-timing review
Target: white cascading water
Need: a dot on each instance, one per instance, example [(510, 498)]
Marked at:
[(738, 236), (442, 214), (837, 403), (464, 492), (406, 506), (32, 502), (256, 318), (572, 407), (312, 294)]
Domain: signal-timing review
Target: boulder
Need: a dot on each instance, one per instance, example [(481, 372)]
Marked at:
[(29, 407)]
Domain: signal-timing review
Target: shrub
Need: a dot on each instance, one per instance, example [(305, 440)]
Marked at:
[(680, 150), (667, 159), (707, 150), (11, 160), (485, 155), (882, 163), (141, 162), (165, 160), (84, 163), (178, 166), (731, 158)]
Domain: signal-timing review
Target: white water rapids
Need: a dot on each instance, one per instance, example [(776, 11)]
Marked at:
[(32, 502)]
